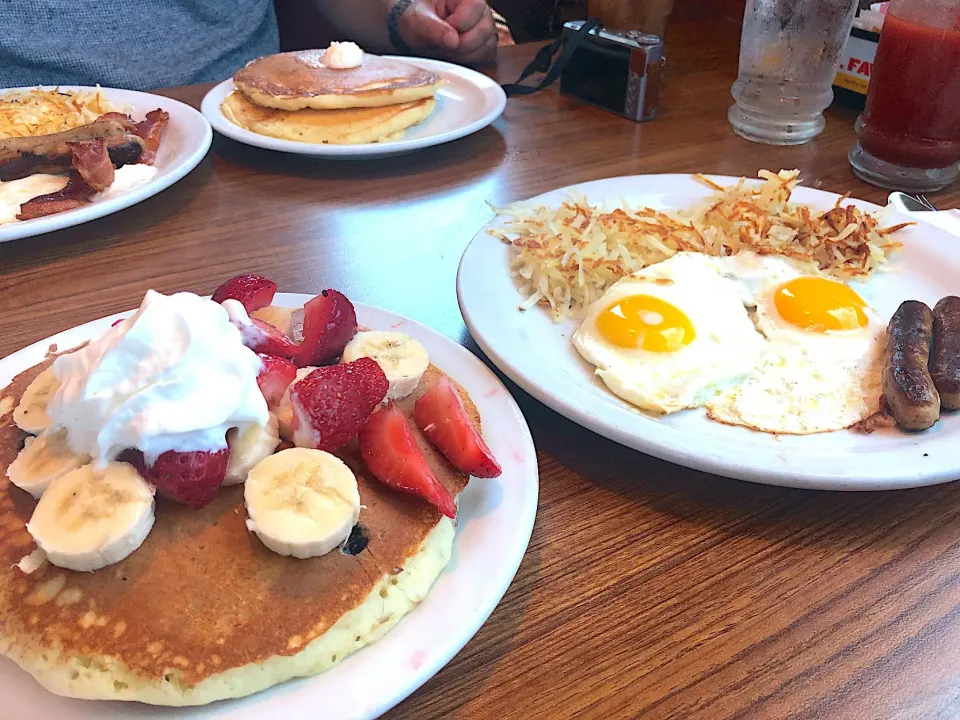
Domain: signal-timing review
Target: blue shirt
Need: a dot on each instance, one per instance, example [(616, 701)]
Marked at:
[(136, 44)]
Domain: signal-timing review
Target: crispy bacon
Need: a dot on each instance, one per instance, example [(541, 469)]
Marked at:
[(150, 130), (92, 161), (76, 194)]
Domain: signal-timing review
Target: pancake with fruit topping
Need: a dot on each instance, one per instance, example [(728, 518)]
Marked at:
[(209, 606), (300, 80)]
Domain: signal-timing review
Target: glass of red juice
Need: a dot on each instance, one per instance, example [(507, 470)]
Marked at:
[(908, 137)]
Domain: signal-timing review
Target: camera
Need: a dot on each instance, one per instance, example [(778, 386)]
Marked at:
[(617, 70)]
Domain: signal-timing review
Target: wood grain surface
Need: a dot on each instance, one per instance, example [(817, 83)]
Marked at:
[(648, 590)]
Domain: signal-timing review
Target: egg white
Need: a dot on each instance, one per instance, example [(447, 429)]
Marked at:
[(796, 391)]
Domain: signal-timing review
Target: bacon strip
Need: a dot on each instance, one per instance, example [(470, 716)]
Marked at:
[(150, 130), (77, 193), (92, 161)]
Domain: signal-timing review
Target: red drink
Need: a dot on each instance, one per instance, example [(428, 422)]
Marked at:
[(909, 133)]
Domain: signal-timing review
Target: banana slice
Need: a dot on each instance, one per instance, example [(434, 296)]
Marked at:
[(289, 321), (249, 447), (402, 359), (31, 414), (91, 518), (301, 502), (43, 461), (284, 410)]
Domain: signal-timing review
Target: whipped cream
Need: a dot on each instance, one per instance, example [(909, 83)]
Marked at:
[(174, 376), (343, 56)]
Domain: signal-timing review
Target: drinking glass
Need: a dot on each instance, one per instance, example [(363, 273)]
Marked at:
[(789, 51), (909, 132)]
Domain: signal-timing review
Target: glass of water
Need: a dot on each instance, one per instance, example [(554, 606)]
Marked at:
[(789, 52)]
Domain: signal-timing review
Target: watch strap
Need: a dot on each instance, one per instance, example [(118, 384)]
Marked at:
[(393, 29)]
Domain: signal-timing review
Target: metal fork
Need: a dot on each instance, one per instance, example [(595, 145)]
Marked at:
[(911, 202), (922, 199)]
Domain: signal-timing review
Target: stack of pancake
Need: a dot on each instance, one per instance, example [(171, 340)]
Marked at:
[(203, 611), (294, 96)]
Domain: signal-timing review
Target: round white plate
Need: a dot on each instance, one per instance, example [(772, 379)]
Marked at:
[(493, 528), (468, 101), (537, 354), (184, 144)]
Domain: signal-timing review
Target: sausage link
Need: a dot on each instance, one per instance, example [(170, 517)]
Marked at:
[(907, 385), (945, 354)]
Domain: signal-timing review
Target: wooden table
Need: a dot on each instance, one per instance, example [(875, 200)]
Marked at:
[(648, 590)]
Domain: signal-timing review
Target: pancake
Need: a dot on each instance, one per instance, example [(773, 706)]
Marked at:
[(202, 611), (336, 127), (298, 80)]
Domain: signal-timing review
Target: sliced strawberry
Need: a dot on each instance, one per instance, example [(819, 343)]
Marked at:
[(390, 452), (191, 478), (331, 403), (275, 377), (257, 335), (253, 291), (440, 414), (329, 323)]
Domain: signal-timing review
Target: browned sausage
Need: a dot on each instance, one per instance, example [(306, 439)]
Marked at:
[(907, 385), (945, 354)]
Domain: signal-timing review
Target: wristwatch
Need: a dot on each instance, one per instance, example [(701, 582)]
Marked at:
[(394, 31)]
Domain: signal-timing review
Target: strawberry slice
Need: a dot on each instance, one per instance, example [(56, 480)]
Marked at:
[(257, 335), (275, 377), (331, 403), (390, 452), (265, 339), (440, 414), (190, 478), (253, 291), (329, 323)]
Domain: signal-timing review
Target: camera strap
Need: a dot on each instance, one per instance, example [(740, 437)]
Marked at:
[(544, 57)]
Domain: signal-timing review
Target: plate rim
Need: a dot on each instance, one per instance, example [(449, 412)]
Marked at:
[(210, 107), (527, 481), (79, 216), (725, 467)]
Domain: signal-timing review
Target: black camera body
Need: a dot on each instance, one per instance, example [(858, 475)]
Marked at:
[(617, 70)]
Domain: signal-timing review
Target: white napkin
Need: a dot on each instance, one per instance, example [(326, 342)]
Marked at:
[(948, 220)]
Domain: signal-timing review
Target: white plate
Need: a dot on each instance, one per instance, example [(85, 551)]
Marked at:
[(468, 101), (494, 525), (185, 142), (537, 354)]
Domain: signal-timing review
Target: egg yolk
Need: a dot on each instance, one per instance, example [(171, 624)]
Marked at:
[(820, 305), (647, 322)]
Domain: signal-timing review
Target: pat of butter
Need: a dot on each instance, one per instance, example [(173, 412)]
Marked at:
[(16, 192), (343, 56)]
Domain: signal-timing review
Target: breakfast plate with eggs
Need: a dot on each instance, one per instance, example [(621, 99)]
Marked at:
[(72, 154), (324, 540), (745, 344)]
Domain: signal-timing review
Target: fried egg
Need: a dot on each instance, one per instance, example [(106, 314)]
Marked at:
[(671, 335), (821, 369)]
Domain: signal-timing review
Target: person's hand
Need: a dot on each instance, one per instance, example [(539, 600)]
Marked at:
[(459, 30)]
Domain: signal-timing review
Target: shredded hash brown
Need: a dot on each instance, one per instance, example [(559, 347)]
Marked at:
[(567, 257), (44, 112)]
